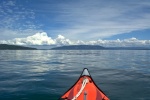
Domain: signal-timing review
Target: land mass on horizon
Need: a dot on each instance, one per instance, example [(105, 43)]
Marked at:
[(14, 47), (97, 47), (70, 47)]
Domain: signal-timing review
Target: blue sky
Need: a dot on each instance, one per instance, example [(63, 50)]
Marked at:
[(75, 19)]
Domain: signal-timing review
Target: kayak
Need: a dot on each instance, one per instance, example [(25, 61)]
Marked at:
[(84, 89)]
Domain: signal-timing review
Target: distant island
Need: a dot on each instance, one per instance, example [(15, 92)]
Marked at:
[(70, 47), (79, 47), (96, 47), (14, 47)]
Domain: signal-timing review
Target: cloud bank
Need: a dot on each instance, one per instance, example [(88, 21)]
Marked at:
[(43, 39)]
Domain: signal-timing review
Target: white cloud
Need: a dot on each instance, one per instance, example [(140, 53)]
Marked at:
[(121, 43), (9, 34), (61, 40), (43, 39), (36, 39)]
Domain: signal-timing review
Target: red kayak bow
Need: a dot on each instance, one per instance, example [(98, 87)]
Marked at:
[(84, 89)]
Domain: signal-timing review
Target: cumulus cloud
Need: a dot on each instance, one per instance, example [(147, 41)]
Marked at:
[(38, 39), (131, 42), (43, 39), (61, 40)]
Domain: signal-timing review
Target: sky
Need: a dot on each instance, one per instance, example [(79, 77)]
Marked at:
[(65, 22)]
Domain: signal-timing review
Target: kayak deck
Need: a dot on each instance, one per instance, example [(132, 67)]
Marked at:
[(84, 89)]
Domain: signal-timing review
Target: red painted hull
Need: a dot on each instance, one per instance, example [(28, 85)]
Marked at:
[(90, 91)]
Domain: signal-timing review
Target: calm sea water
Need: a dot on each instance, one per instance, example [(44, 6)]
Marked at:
[(47, 74)]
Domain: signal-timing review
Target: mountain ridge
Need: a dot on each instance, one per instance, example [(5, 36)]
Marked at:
[(14, 47), (96, 47), (70, 47)]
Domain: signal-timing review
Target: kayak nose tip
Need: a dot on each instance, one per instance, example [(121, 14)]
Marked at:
[(85, 72)]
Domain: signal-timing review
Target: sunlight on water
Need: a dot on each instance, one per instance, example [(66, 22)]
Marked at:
[(47, 74)]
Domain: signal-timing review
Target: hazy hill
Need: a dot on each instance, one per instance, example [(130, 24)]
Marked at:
[(14, 47), (79, 47), (97, 47)]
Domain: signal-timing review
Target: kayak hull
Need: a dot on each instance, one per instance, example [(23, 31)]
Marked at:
[(89, 92)]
